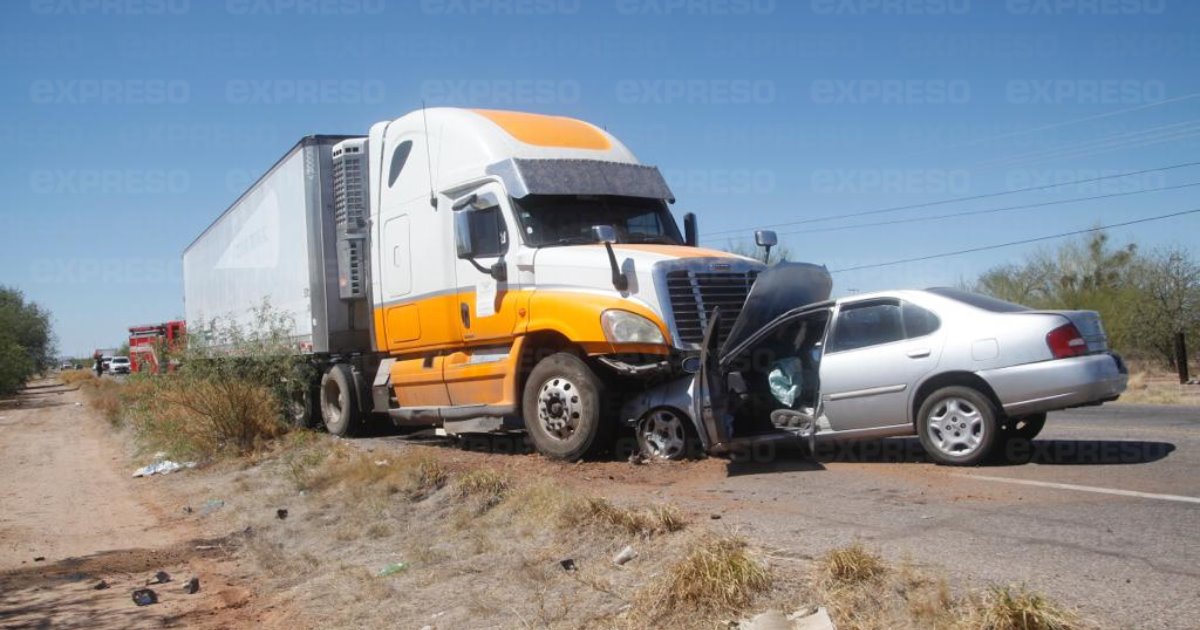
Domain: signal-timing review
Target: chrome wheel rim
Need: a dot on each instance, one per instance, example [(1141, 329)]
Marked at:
[(956, 427), (559, 408), (662, 435)]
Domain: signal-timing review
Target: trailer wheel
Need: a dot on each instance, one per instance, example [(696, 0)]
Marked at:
[(339, 406), (304, 407), (563, 408)]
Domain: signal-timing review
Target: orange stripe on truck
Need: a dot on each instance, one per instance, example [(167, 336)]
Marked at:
[(548, 131)]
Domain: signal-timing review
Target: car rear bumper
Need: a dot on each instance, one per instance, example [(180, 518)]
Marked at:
[(1058, 384)]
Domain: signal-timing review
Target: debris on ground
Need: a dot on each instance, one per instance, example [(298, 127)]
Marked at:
[(637, 458), (210, 506), (625, 556), (281, 513), (715, 517), (145, 597), (192, 586), (162, 577), (567, 564), (40, 559), (161, 466), (393, 569), (811, 619), (100, 586)]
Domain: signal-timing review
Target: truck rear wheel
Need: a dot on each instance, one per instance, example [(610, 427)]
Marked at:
[(339, 405), (564, 410)]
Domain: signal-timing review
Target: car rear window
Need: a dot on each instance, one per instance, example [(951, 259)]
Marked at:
[(977, 300)]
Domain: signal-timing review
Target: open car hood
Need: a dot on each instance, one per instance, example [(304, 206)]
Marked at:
[(781, 288)]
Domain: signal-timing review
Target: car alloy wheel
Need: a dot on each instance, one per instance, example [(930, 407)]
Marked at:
[(956, 427), (662, 434)]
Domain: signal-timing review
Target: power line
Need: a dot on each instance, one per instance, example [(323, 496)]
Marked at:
[(1020, 242), (1161, 133), (943, 202), (1058, 124), (951, 215)]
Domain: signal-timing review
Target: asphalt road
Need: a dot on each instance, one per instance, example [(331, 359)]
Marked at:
[(1103, 512)]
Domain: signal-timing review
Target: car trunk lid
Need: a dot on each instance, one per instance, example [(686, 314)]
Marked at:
[(1089, 325)]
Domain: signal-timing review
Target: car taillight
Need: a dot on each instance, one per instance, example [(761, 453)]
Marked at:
[(1065, 341)]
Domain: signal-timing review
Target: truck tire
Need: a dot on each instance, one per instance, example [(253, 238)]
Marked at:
[(958, 426), (304, 411), (339, 405), (563, 406)]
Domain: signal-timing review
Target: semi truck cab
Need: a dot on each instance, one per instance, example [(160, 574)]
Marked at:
[(527, 266)]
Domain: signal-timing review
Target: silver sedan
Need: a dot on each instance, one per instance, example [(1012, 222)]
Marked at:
[(964, 372)]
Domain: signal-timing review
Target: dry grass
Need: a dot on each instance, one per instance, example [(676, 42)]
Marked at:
[(863, 592), (195, 418), (850, 565), (1008, 608), (107, 396), (718, 576), (1153, 387), (71, 377), (485, 487)]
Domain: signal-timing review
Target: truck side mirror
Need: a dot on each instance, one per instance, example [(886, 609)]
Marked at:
[(691, 235), (608, 235), (604, 234), (462, 235)]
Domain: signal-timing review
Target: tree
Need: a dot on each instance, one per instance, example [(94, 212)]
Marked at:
[(1144, 300), (1168, 289), (26, 341)]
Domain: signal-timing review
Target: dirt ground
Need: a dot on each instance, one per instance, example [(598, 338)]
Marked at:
[(71, 517)]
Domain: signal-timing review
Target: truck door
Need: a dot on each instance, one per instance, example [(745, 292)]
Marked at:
[(490, 303)]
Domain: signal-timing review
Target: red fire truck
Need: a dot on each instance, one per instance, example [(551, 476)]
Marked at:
[(147, 345)]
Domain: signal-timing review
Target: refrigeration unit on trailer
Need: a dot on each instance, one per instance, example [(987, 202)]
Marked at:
[(469, 269)]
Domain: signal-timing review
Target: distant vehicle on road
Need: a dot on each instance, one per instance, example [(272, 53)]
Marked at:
[(964, 372), (119, 365), (151, 345)]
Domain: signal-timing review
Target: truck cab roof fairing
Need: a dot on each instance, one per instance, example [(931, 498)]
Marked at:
[(523, 177)]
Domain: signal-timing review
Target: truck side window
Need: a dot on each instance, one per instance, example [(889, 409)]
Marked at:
[(489, 238), (399, 157)]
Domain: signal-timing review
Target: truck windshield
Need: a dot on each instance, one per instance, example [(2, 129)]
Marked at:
[(550, 220)]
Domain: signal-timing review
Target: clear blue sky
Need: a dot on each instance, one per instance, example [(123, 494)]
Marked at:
[(128, 125)]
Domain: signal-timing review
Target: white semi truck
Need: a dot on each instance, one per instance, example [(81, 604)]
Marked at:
[(473, 270)]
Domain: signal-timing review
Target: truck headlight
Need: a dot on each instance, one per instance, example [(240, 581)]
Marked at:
[(625, 327)]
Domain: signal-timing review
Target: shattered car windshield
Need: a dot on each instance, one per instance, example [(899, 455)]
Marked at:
[(549, 220)]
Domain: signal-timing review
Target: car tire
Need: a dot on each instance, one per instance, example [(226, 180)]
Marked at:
[(564, 410), (1025, 427), (339, 405), (957, 426), (666, 434)]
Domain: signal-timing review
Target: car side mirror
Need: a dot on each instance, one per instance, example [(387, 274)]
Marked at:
[(766, 239)]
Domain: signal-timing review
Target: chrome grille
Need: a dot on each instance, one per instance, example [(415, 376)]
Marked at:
[(695, 294)]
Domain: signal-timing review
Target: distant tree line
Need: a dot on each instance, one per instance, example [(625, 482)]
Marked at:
[(26, 341), (1145, 299)]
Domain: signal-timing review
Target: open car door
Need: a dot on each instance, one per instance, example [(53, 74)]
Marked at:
[(710, 397), (779, 295)]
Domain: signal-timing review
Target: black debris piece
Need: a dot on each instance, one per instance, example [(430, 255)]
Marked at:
[(162, 577), (192, 586), (281, 513), (100, 586), (568, 564), (145, 597)]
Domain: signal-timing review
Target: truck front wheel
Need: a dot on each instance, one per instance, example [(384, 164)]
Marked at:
[(564, 410), (339, 405)]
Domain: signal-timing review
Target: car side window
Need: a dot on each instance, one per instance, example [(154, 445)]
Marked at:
[(869, 324), (918, 322)]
